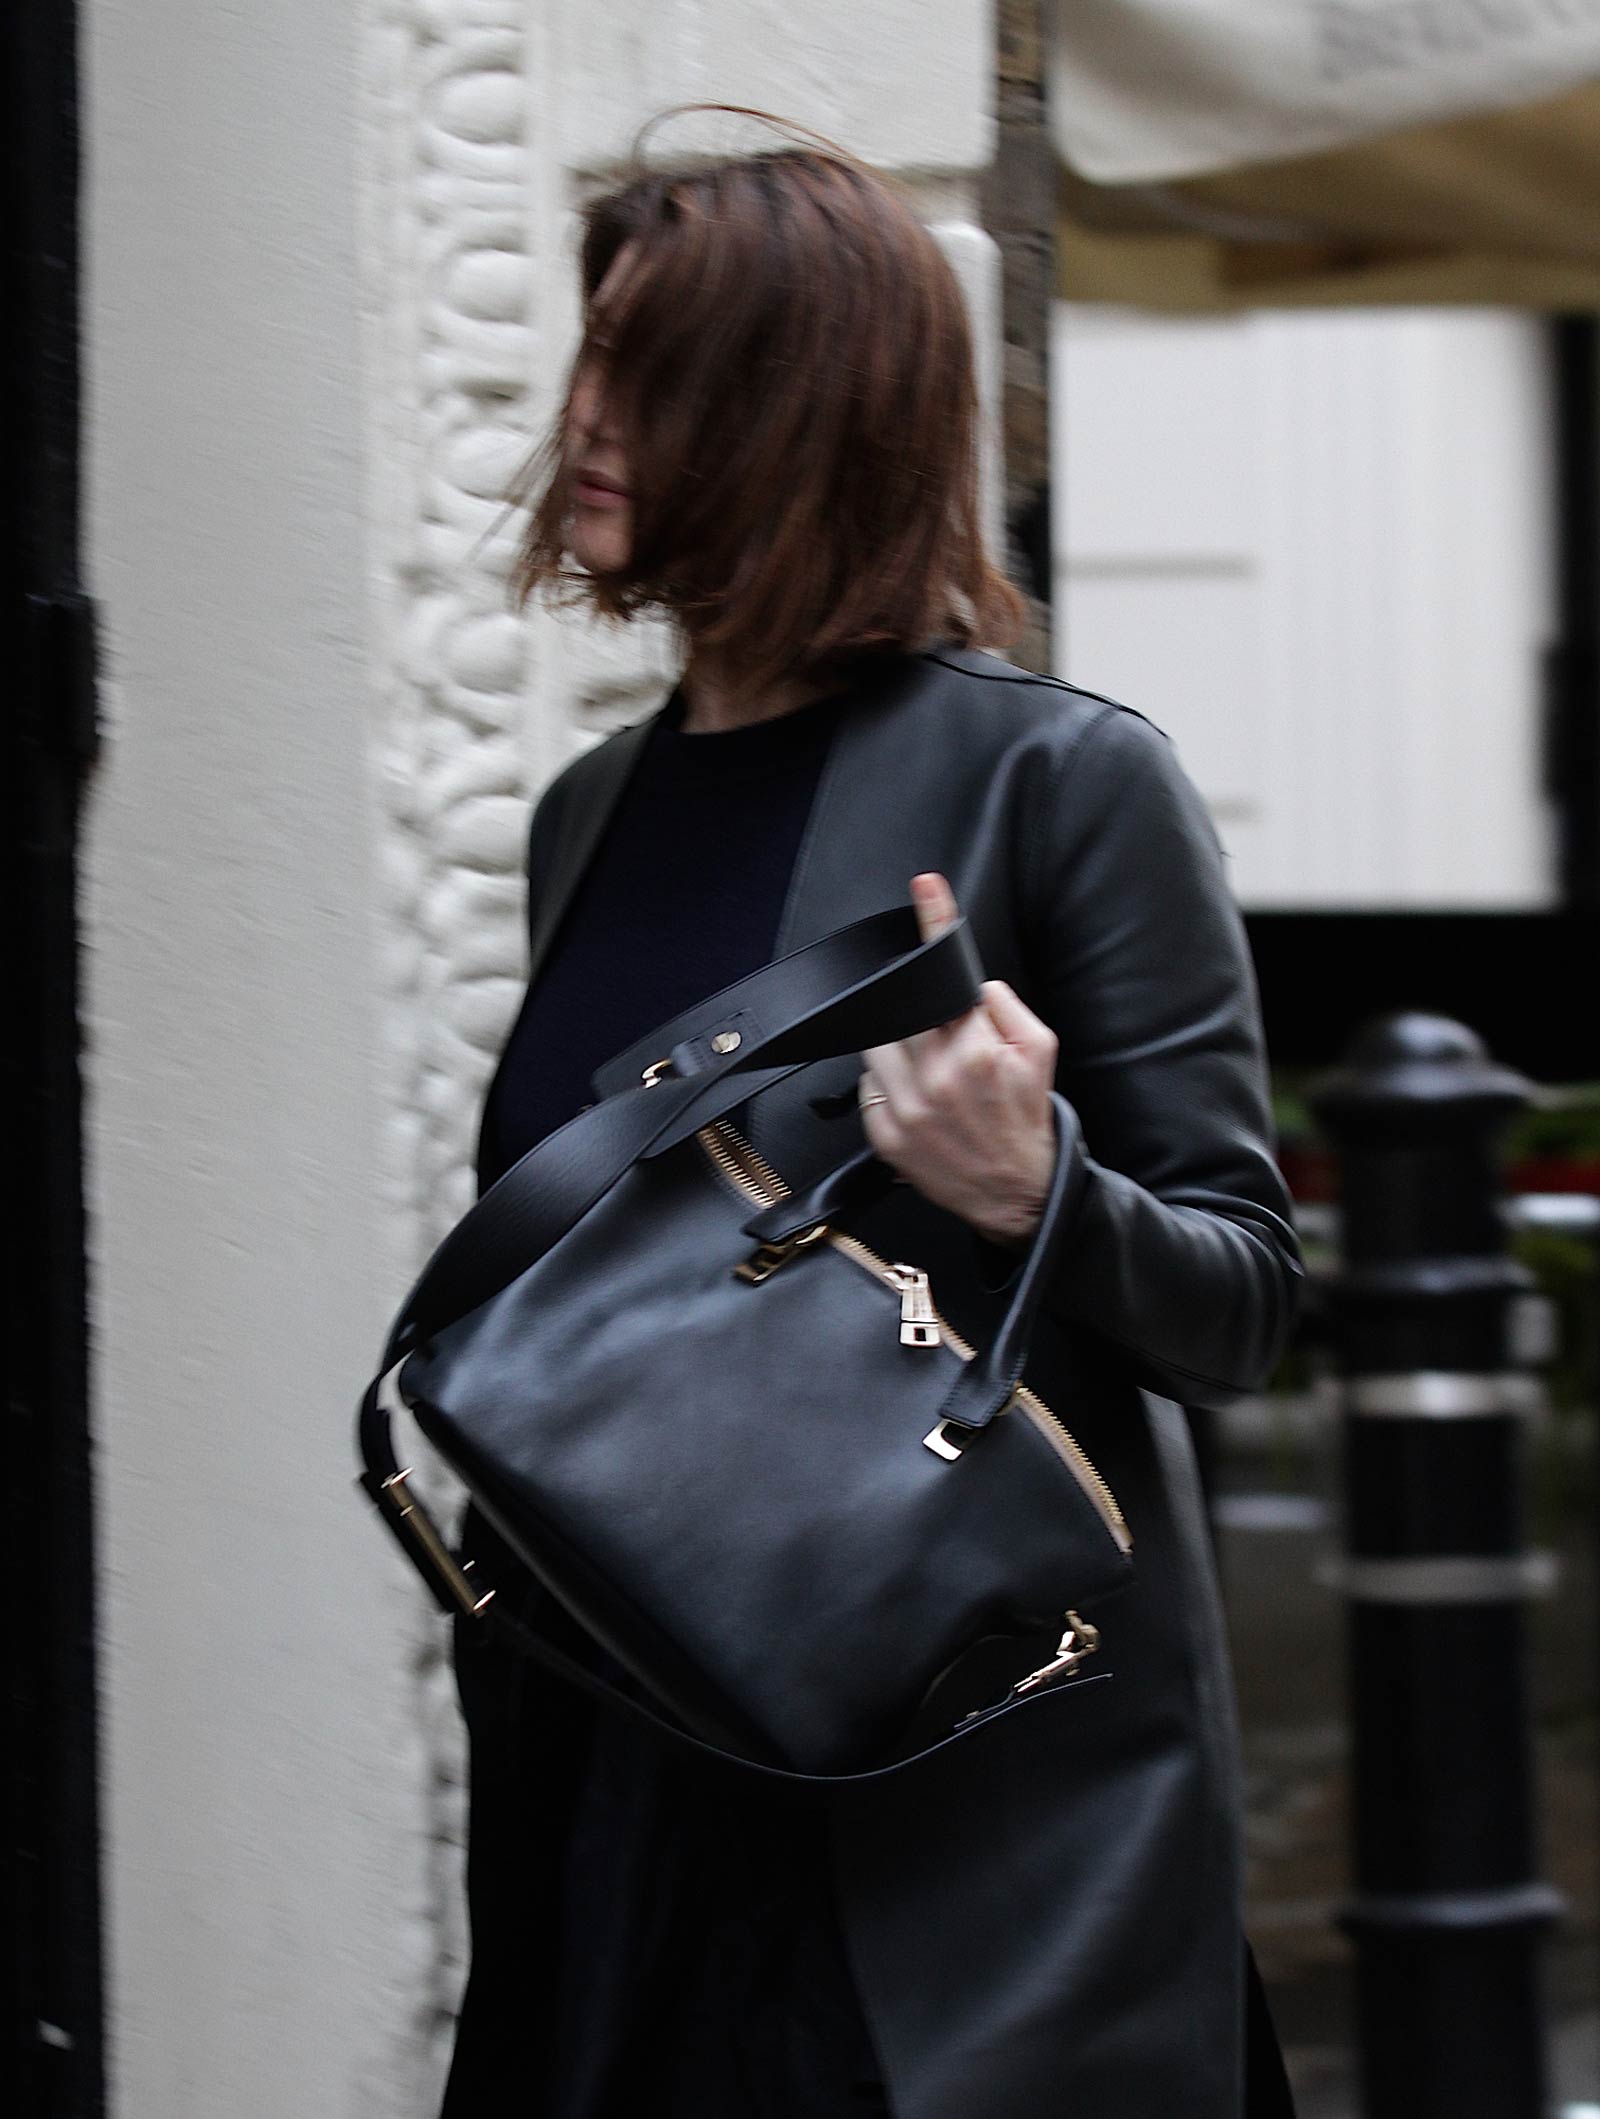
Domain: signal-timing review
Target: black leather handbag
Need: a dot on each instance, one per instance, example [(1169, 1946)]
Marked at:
[(742, 1449)]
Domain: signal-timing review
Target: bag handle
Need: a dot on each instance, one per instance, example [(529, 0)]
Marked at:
[(987, 1381)]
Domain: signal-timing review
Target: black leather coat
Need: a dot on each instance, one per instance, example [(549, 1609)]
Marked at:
[(1047, 1920)]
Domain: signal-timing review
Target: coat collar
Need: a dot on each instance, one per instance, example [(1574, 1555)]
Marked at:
[(848, 863)]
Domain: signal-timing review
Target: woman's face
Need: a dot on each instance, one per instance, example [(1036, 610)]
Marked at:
[(601, 529)]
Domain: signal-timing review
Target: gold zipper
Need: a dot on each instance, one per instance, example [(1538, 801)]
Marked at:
[(749, 1172)]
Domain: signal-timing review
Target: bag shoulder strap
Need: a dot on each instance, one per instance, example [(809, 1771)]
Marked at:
[(866, 984)]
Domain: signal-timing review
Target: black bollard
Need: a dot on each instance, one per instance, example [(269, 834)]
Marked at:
[(1447, 1910)]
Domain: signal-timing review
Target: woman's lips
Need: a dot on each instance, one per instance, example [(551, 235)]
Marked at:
[(590, 491)]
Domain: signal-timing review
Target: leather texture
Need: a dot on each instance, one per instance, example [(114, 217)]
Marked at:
[(1049, 1921)]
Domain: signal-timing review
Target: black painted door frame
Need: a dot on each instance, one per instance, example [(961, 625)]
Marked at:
[(49, 1756)]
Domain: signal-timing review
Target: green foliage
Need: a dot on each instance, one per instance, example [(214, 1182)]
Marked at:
[(1562, 1121), (1567, 1268)]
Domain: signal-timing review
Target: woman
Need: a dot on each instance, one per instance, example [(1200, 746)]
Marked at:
[(770, 436)]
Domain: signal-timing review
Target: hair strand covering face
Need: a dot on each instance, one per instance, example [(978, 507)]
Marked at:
[(788, 359)]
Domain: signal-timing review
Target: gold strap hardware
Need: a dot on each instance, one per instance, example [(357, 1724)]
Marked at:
[(425, 1532), (656, 1069), (765, 1260), (1078, 1643)]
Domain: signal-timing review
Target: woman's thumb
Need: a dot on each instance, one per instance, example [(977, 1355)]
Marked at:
[(935, 903)]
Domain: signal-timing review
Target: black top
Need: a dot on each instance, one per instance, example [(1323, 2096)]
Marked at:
[(697, 1970), (683, 895)]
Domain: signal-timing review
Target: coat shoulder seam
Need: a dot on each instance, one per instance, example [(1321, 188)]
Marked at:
[(1008, 674)]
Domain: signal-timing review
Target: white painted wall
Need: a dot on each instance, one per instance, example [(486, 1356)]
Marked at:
[(329, 297), (1316, 548), (265, 1772)]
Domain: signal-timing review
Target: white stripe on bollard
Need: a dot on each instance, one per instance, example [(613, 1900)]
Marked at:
[(1443, 1394), (1457, 1579)]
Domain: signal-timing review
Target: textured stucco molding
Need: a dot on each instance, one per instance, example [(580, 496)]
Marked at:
[(450, 290), (483, 122)]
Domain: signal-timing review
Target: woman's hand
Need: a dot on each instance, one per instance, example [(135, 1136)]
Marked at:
[(963, 1112)]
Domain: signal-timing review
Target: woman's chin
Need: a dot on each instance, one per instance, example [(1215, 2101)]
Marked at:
[(601, 546)]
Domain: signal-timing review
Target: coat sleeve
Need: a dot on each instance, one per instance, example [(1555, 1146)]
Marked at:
[(1181, 1253)]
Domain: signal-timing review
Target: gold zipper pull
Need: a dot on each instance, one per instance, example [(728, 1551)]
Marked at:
[(919, 1321)]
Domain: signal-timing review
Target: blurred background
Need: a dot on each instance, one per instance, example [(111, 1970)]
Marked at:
[(1289, 329)]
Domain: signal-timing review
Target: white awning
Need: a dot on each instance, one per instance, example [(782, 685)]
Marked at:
[(1230, 153)]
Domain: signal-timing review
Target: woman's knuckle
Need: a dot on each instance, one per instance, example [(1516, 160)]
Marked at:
[(941, 1085), (878, 1123)]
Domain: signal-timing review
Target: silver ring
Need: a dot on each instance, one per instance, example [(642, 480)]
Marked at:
[(866, 1100)]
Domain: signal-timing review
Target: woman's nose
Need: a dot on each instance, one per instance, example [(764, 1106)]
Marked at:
[(589, 416)]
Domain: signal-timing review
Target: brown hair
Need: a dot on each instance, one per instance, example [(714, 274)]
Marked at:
[(788, 358)]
